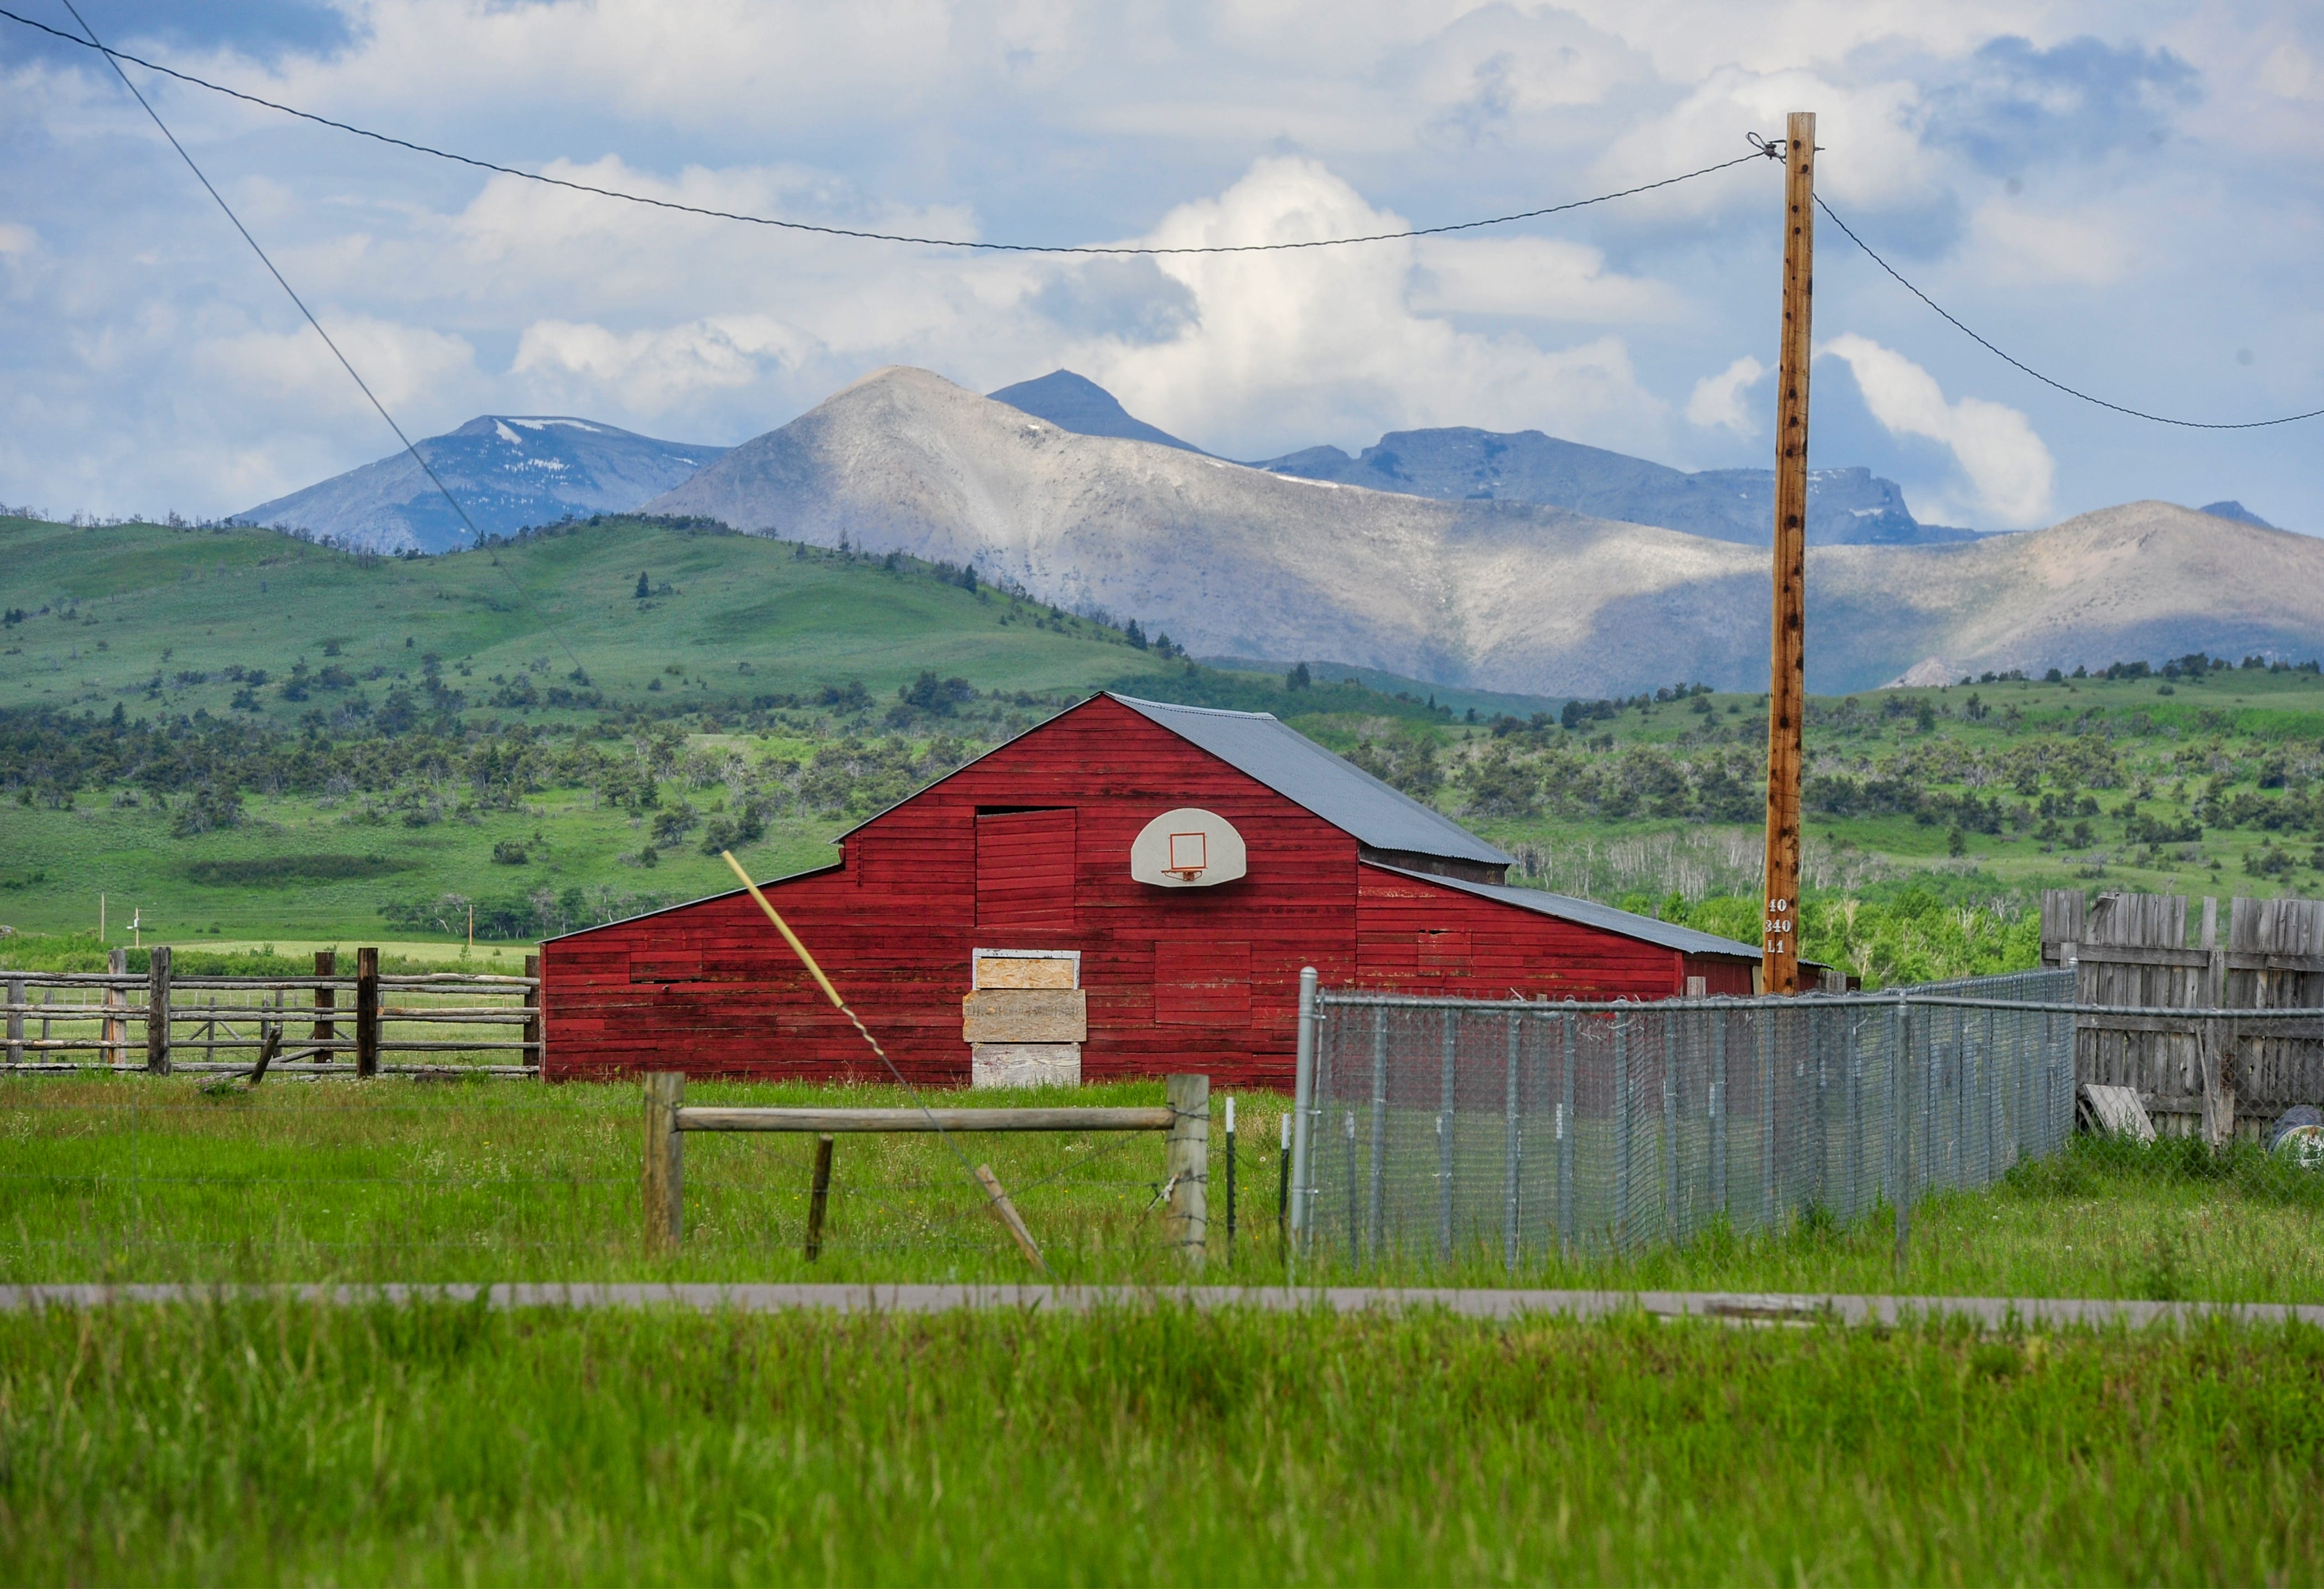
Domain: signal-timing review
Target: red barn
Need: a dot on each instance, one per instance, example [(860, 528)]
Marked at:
[(1186, 862)]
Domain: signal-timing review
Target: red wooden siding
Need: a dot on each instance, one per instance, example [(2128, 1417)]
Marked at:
[(1024, 875), (1415, 934), (1202, 982), (1178, 979)]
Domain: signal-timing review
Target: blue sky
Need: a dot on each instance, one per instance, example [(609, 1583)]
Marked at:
[(2125, 195)]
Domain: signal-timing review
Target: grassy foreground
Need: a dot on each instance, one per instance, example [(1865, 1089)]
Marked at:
[(129, 1179), (260, 1443)]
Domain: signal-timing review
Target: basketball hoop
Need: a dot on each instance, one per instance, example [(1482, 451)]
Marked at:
[(1189, 855)]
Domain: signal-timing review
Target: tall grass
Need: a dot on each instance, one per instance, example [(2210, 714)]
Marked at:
[(131, 1178), (257, 1444)]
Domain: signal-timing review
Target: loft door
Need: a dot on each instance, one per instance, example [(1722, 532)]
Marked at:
[(1024, 874)]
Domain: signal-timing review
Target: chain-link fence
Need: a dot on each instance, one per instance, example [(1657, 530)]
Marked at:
[(1450, 1127)]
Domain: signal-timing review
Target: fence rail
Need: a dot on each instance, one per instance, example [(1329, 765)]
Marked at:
[(1184, 1120), (345, 1015), (1523, 1128)]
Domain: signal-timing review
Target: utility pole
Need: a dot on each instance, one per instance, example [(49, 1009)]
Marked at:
[(1779, 945)]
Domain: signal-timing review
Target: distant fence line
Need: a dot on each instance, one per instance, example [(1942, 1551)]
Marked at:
[(178, 1016)]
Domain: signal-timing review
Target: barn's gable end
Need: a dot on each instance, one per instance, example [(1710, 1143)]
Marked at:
[(1203, 978)]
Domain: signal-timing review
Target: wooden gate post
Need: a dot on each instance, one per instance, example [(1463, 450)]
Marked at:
[(665, 1165), (1186, 1164), (532, 1050), (157, 1011), (15, 1022), (366, 1012)]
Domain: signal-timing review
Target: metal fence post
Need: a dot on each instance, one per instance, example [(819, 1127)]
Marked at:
[(1670, 1128), (1377, 1168), (1512, 1150), (1718, 1111), (1303, 1104), (1763, 1023), (1621, 1130), (157, 1010), (1447, 1097), (1565, 1131), (1851, 1067), (1900, 1150)]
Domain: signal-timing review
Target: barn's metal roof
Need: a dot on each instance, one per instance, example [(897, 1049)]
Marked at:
[(1261, 747), (1686, 940)]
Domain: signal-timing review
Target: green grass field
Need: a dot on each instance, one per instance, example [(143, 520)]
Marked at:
[(131, 1179), (252, 1443)]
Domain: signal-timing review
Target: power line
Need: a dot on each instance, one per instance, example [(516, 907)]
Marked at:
[(115, 57), (2046, 380), (475, 536)]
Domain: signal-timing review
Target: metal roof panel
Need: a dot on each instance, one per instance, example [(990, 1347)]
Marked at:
[(1261, 747), (1669, 935)]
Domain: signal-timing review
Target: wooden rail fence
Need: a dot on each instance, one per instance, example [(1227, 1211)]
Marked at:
[(184, 1023), (1184, 1119), (2216, 1076)]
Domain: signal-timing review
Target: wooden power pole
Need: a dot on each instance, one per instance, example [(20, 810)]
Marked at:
[(1779, 945)]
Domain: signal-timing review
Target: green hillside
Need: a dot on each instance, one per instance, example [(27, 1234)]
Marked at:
[(176, 619), (247, 739), (244, 735)]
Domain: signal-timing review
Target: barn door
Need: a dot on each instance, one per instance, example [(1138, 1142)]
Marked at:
[(1024, 873)]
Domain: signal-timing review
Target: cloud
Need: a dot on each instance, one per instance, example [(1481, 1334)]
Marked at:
[(293, 371), (1286, 349), (2018, 106), (1718, 400), (2289, 72), (567, 365), (2007, 466), (2018, 242), (1533, 278)]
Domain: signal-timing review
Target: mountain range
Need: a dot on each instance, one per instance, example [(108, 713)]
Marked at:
[(1517, 563), (508, 470), (1237, 561), (1846, 507)]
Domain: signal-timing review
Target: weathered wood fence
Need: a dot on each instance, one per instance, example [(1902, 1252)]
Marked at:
[(68, 1021), (1184, 1119), (2216, 1076)]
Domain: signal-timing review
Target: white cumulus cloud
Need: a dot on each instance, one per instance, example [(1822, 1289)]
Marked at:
[(2007, 466), (1718, 400), (1286, 349)]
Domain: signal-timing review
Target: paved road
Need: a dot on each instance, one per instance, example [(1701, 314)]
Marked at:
[(1734, 1307)]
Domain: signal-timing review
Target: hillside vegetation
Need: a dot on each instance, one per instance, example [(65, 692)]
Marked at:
[(248, 739)]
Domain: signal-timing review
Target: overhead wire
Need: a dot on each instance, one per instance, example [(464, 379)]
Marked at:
[(2020, 365), (864, 235), (475, 535)]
